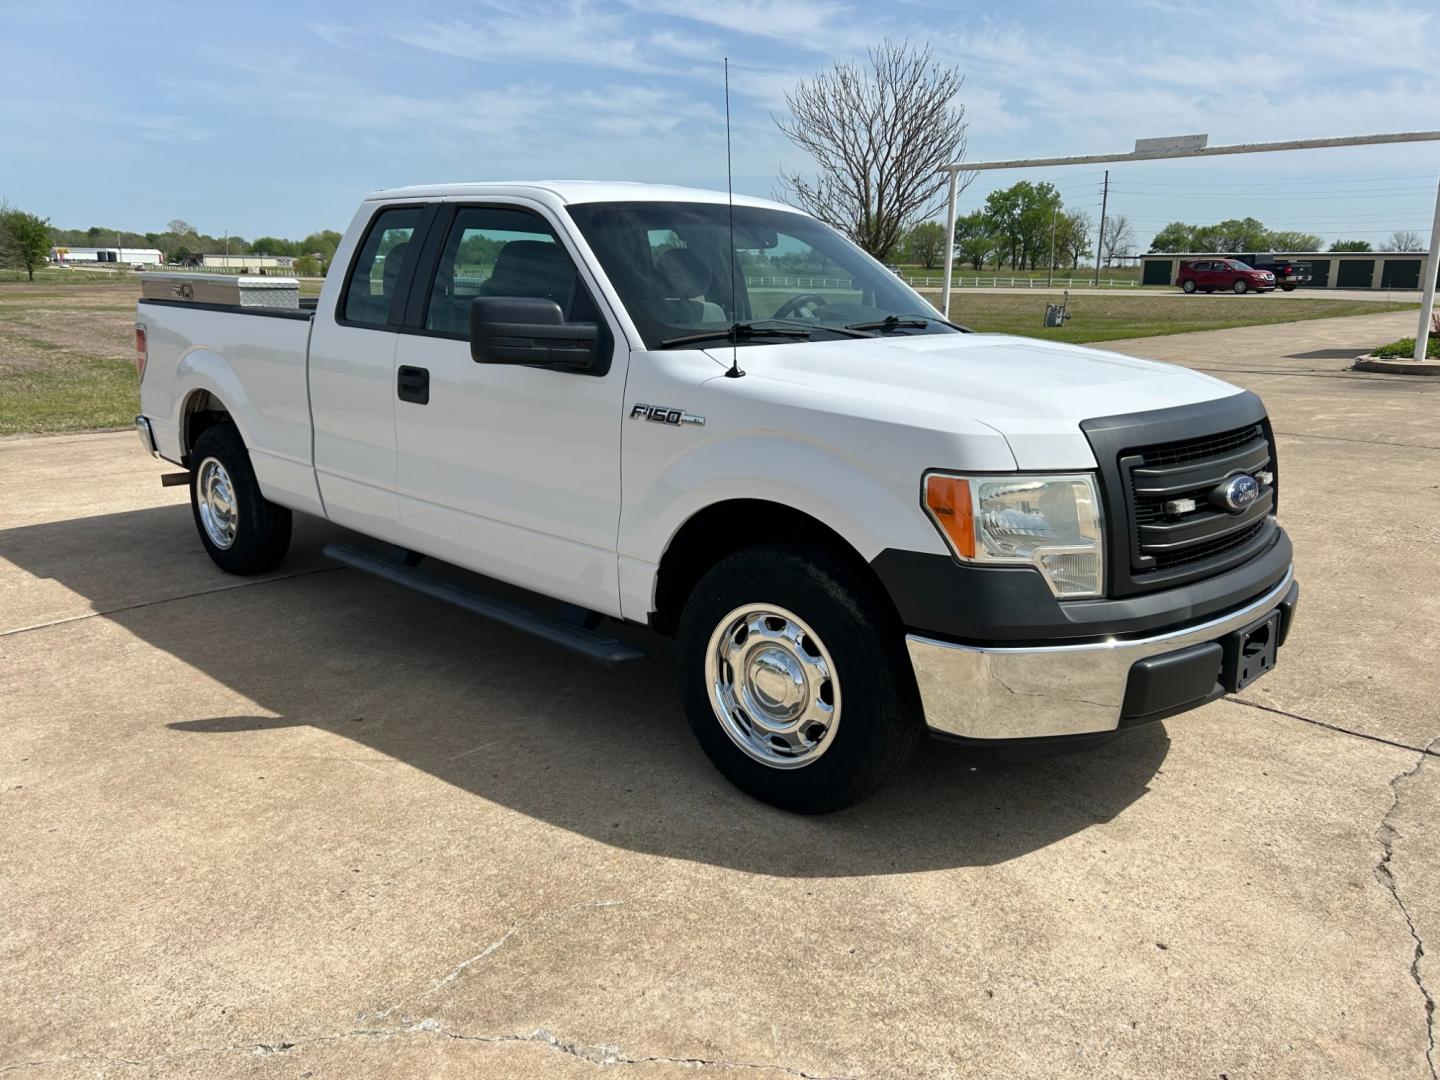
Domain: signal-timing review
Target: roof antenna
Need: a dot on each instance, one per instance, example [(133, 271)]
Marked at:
[(733, 372)]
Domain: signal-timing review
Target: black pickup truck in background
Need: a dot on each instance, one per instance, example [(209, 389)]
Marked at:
[(1288, 272)]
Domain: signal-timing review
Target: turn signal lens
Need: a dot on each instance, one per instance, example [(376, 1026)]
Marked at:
[(142, 351), (947, 498)]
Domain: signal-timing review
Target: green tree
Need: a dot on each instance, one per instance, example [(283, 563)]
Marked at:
[(1003, 211), (925, 244), (1234, 235), (26, 239), (322, 245), (1350, 245), (1039, 212), (1177, 236), (1290, 240), (975, 241), (273, 245)]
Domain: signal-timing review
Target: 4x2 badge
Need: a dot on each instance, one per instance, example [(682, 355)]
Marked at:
[(663, 414)]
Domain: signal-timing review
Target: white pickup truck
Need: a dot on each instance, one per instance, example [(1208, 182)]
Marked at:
[(860, 521)]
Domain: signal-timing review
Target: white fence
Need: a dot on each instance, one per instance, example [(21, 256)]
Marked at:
[(979, 281), (994, 281)]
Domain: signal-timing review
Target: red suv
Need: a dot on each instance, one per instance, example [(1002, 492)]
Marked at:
[(1207, 275)]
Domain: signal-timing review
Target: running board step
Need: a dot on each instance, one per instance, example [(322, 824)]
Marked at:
[(588, 643)]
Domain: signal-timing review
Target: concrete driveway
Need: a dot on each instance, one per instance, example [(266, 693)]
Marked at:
[(314, 826)]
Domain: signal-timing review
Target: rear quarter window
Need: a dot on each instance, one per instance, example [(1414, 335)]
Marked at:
[(378, 267)]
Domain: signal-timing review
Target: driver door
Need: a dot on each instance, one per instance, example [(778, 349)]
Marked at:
[(510, 471)]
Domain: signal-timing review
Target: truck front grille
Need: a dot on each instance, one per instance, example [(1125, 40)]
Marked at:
[(1186, 472), (1160, 475)]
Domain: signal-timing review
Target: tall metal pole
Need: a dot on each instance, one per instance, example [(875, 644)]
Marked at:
[(1050, 270), (1100, 236), (1431, 265), (949, 240)]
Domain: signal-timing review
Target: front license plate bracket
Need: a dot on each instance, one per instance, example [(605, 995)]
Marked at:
[(1250, 652)]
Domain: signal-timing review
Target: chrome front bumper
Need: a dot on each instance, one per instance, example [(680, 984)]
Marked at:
[(1039, 691)]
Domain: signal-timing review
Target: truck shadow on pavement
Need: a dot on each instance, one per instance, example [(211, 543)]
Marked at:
[(604, 753)]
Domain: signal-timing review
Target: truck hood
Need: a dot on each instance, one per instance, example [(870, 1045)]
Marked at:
[(1033, 392)]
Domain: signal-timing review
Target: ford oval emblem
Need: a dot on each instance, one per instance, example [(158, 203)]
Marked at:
[(1238, 492)]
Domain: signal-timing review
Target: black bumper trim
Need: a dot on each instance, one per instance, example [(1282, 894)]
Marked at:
[(993, 605)]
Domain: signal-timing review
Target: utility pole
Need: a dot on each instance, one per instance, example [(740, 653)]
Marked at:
[(1050, 270), (1100, 237), (1431, 265)]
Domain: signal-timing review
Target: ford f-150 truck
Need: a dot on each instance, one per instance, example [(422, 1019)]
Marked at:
[(860, 521)]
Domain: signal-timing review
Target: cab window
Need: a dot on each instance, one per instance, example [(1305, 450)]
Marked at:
[(502, 251), (376, 272)]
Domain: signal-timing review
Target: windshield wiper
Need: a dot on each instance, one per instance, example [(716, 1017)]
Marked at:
[(892, 322), (844, 331), (735, 332)]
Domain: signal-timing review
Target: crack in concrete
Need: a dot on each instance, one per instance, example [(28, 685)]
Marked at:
[(1386, 834), (600, 1055), (494, 946), (1428, 749)]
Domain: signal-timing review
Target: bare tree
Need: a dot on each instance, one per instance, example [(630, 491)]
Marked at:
[(1118, 239), (879, 134), (1074, 240), (1403, 240)]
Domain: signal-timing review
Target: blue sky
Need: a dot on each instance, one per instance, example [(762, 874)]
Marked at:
[(275, 118)]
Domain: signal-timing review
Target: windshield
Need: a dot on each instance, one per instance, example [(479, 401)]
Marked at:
[(670, 263), (1236, 264)]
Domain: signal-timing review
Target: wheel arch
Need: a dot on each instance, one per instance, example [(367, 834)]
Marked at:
[(723, 528), (210, 392), (202, 409)]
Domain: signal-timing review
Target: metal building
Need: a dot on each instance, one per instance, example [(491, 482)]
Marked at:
[(1328, 269), (121, 256)]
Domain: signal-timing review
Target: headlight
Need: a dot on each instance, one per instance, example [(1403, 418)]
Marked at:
[(1049, 522)]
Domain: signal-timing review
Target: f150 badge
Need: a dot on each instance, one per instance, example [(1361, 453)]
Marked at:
[(663, 414)]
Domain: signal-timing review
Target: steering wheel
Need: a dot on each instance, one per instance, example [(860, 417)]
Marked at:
[(790, 309)]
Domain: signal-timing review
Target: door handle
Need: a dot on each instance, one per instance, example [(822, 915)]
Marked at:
[(413, 384)]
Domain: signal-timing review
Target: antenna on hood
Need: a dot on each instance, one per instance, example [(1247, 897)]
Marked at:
[(733, 372)]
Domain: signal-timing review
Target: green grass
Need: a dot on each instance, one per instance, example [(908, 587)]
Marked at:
[(1115, 316), (53, 275), (67, 393), (1404, 349)]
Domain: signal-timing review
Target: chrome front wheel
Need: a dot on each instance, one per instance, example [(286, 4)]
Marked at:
[(773, 686), (216, 503)]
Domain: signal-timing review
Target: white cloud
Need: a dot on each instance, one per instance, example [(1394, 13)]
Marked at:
[(816, 25)]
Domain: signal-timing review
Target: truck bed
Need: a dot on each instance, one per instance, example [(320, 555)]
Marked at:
[(254, 359)]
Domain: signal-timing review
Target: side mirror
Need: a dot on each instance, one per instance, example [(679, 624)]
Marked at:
[(531, 331)]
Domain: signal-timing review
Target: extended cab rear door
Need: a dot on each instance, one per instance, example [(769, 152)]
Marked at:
[(352, 366), (507, 470)]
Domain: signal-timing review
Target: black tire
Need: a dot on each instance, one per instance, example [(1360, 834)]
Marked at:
[(880, 719), (1188, 287), (1241, 288), (261, 533), (1288, 288)]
